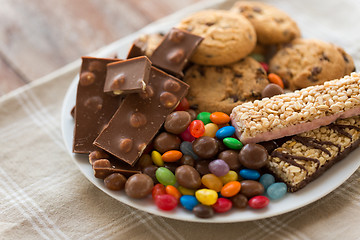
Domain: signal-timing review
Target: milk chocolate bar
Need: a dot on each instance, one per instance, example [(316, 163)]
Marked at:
[(94, 108), (137, 49), (127, 76), (175, 50), (140, 117), (304, 157)]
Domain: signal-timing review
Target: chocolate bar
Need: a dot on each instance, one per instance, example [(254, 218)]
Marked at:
[(127, 76), (140, 117), (94, 108), (304, 157), (175, 50), (137, 49)]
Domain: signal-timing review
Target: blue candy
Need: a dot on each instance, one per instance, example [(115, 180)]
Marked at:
[(276, 190), (249, 174), (189, 202), (224, 132), (186, 149), (266, 180)]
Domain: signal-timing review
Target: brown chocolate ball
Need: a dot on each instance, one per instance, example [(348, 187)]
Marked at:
[(166, 141), (251, 188), (231, 158), (139, 185), (177, 122), (202, 167), (188, 177), (203, 211), (205, 147), (187, 160), (150, 171), (239, 201), (253, 156), (271, 89), (115, 181)]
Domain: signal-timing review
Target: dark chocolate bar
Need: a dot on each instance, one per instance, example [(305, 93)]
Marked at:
[(140, 117), (127, 76), (175, 50), (94, 108), (304, 157)]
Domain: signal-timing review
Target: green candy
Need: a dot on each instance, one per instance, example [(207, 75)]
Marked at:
[(258, 57), (165, 176), (204, 117), (233, 143)]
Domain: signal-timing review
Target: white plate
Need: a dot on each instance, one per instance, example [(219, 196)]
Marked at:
[(329, 181)]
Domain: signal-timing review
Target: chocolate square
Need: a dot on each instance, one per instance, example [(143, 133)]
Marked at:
[(127, 76)]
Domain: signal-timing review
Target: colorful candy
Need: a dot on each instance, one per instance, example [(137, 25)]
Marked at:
[(274, 78), (230, 176), (276, 190), (158, 189), (166, 202), (157, 159), (204, 117), (173, 191), (183, 105), (211, 129), (258, 202), (249, 174), (186, 136), (222, 205), (165, 176), (211, 181), (197, 128), (266, 180), (171, 156), (230, 189), (232, 143), (219, 167), (224, 132), (186, 191), (206, 196), (187, 149), (219, 118), (189, 202)]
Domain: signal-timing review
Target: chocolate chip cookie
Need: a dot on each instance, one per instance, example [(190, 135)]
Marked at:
[(228, 37), (307, 62), (272, 25), (215, 88)]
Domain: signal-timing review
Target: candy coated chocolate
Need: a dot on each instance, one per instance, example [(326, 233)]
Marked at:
[(127, 76), (139, 118), (253, 156), (205, 147), (166, 141), (203, 211), (251, 188), (231, 158), (150, 171), (139, 186), (239, 201), (187, 160), (202, 167), (94, 108), (175, 50), (177, 122), (271, 89), (188, 177), (115, 181)]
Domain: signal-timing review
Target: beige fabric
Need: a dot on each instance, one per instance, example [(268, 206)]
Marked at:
[(44, 196)]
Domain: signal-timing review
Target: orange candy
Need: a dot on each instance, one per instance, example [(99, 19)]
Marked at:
[(171, 156), (173, 191), (274, 78), (231, 189), (211, 181), (219, 118)]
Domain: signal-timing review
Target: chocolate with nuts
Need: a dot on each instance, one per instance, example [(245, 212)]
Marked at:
[(140, 117), (127, 76), (175, 50), (94, 108)]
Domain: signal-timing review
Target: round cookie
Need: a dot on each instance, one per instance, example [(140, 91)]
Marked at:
[(307, 62), (228, 37), (215, 88), (272, 25), (150, 42)]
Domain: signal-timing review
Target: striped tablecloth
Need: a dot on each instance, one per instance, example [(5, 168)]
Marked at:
[(43, 195)]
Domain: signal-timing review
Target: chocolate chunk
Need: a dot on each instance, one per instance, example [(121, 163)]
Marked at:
[(94, 108), (140, 119), (127, 76), (137, 49), (316, 71), (104, 167), (175, 50)]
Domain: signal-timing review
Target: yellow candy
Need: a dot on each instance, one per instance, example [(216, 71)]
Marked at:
[(230, 176), (211, 129), (186, 191), (206, 196), (211, 181), (157, 159)]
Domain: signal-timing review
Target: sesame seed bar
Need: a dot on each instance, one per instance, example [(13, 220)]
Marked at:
[(296, 112), (306, 156)]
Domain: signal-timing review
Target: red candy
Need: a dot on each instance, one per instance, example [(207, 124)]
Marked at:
[(258, 202), (183, 105), (265, 66), (186, 136), (173, 191), (222, 205), (157, 190), (166, 202), (197, 128)]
